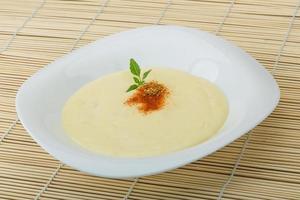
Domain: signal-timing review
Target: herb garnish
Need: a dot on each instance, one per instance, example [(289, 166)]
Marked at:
[(136, 72)]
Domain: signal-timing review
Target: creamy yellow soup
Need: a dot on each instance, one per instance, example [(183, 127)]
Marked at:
[(97, 118)]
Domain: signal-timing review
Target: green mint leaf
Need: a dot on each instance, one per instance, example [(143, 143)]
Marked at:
[(146, 74), (132, 87), (136, 71), (136, 80), (134, 67)]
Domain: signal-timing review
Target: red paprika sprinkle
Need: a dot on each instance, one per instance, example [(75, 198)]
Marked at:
[(149, 97)]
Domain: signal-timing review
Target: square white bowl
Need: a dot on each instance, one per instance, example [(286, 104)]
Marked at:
[(251, 91)]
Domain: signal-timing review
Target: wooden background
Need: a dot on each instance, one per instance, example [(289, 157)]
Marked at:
[(264, 164)]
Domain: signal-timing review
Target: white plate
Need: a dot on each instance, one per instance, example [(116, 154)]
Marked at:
[(251, 91)]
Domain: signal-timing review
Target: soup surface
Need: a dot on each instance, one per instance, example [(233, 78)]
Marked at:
[(100, 117)]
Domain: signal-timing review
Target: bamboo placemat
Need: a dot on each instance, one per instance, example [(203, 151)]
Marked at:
[(264, 164)]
